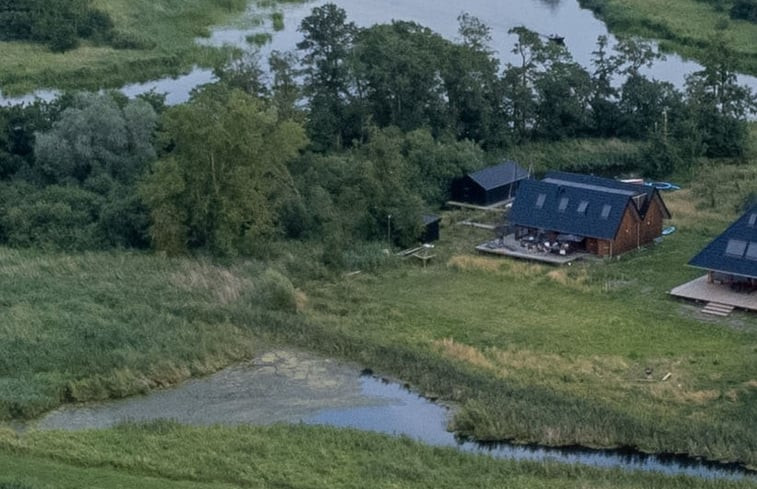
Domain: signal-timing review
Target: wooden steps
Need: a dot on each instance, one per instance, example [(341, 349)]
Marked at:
[(717, 309)]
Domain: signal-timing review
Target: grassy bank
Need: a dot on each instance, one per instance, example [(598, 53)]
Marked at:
[(94, 326), (686, 27), (531, 353), (162, 455), (559, 356), (163, 34)]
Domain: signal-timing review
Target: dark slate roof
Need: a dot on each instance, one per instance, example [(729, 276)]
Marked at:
[(735, 250), (592, 208), (610, 185), (499, 175), (430, 219)]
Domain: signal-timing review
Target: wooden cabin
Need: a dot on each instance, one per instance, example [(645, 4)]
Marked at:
[(597, 215)]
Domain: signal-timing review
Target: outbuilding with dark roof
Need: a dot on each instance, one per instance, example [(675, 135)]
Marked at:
[(490, 185), (598, 215)]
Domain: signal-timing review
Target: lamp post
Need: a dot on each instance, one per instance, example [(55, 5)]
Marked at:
[(389, 230)]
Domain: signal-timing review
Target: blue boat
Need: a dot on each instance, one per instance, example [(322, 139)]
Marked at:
[(663, 185)]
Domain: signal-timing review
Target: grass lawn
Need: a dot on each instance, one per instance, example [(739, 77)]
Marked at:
[(686, 27), (166, 28), (530, 352), (163, 455), (558, 355)]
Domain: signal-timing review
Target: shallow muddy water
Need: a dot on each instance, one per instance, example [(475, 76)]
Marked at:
[(296, 387)]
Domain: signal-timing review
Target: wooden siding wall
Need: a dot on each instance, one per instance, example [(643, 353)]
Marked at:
[(651, 228), (633, 232)]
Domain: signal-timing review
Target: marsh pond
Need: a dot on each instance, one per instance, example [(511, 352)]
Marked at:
[(288, 386)]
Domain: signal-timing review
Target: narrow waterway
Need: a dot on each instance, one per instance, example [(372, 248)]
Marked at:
[(562, 17), (296, 387)]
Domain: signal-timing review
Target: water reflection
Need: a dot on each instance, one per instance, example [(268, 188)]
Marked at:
[(548, 17), (418, 418), (297, 387)]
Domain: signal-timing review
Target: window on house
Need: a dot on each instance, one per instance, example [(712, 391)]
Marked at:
[(540, 200), (582, 206), (563, 204), (735, 248), (751, 251), (606, 211)]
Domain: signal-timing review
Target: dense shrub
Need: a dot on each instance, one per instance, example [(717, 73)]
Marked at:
[(744, 10), (58, 23), (276, 291)]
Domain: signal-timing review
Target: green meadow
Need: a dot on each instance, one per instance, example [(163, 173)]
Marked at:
[(163, 455), (163, 34), (686, 27), (529, 352)]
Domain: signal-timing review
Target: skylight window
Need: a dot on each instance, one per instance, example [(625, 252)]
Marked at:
[(751, 251), (753, 219), (582, 206), (563, 204), (540, 200), (606, 211), (735, 248)]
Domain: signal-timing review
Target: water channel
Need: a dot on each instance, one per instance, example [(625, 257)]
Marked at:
[(297, 387), (562, 17)]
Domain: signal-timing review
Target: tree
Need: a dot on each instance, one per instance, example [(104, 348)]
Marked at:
[(285, 91), (244, 72), (58, 23), (327, 43), (719, 105), (519, 81), (219, 187), (604, 96), (563, 99), (96, 136), (399, 66)]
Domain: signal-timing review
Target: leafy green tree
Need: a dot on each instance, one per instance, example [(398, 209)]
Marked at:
[(564, 93), (326, 44), (519, 81), (643, 105), (604, 96), (720, 106), (221, 184), (58, 23), (434, 164), (400, 64), (285, 91), (96, 136), (244, 72), (473, 88)]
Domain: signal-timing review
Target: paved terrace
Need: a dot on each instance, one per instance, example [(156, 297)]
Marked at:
[(701, 290), (509, 246)]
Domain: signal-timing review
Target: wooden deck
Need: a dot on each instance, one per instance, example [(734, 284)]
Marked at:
[(509, 246), (701, 290), (495, 207)]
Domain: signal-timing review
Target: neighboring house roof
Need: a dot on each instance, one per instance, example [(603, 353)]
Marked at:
[(583, 209), (499, 175), (735, 250)]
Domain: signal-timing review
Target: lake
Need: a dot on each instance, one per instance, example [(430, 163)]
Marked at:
[(562, 17)]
